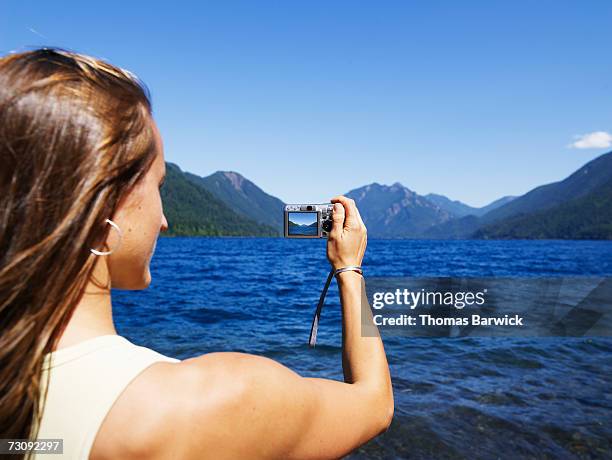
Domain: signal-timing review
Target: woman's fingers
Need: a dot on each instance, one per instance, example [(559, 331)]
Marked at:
[(348, 238), (359, 215), (338, 217), (353, 219)]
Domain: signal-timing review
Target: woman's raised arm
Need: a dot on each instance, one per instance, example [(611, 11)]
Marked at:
[(237, 405)]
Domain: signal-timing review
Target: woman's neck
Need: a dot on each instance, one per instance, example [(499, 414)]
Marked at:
[(93, 315)]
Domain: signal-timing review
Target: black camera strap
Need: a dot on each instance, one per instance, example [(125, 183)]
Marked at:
[(315, 320)]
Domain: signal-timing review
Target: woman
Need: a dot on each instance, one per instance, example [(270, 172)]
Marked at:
[(81, 164)]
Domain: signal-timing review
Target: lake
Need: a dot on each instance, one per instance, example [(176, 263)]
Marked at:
[(471, 397)]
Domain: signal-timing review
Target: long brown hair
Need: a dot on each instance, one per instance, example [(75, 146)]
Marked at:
[(75, 138)]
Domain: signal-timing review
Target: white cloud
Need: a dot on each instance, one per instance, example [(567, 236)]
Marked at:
[(595, 140)]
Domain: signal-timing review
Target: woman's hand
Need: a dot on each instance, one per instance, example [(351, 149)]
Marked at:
[(348, 238)]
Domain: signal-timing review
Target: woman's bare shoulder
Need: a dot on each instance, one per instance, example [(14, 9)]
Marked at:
[(236, 405), (166, 397)]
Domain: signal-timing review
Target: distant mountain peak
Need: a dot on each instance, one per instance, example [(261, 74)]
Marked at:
[(395, 210), (192, 210), (377, 186), (243, 196), (237, 180)]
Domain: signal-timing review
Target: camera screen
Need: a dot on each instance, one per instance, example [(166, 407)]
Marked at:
[(302, 223)]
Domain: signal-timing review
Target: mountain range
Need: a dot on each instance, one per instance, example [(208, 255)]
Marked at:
[(459, 209), (192, 210), (226, 203), (243, 196), (525, 216)]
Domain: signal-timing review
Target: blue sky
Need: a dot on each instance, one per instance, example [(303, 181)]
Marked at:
[(474, 100)]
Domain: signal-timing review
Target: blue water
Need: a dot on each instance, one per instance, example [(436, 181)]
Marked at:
[(303, 230), (454, 397)]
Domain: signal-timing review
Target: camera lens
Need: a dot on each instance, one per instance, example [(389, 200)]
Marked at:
[(308, 208)]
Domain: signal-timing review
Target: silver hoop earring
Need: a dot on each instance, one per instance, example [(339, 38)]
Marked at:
[(100, 253)]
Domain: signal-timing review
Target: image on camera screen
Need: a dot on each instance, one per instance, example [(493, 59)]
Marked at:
[(302, 223)]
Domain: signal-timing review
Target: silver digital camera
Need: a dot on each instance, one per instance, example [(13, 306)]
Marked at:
[(308, 220)]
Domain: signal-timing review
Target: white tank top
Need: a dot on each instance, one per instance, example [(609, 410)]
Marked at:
[(85, 380)]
